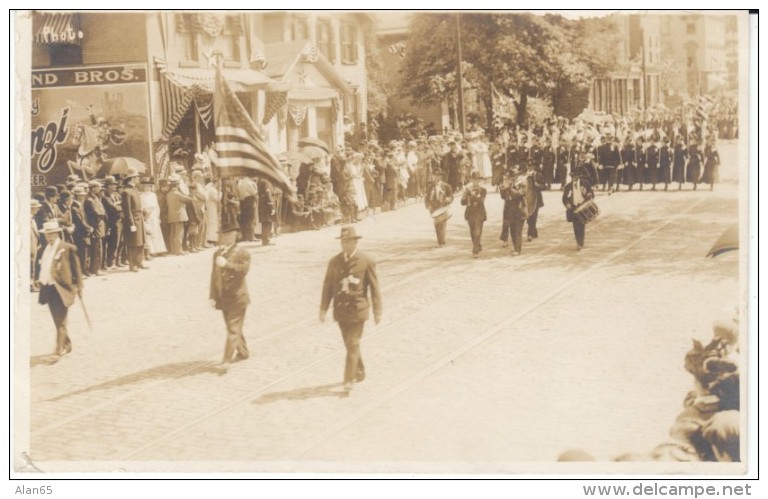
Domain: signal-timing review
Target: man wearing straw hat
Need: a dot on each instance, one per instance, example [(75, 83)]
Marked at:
[(133, 224), (60, 281), (348, 280)]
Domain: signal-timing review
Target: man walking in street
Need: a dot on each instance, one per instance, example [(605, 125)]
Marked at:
[(60, 281), (349, 279), (475, 214), (229, 290)]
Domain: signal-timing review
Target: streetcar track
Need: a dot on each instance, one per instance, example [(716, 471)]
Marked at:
[(334, 353), (146, 387)]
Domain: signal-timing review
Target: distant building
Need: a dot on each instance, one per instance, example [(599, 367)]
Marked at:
[(392, 33), (696, 44), (635, 82)]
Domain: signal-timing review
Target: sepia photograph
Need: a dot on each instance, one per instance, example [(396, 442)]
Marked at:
[(354, 242)]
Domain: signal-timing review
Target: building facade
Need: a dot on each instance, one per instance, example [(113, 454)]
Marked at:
[(297, 74), (635, 83)]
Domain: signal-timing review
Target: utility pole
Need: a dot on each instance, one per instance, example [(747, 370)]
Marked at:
[(460, 75)]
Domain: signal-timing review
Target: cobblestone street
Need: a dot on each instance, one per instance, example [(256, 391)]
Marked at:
[(479, 365)]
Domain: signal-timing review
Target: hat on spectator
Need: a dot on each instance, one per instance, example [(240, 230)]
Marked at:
[(34, 203), (79, 191), (94, 183), (51, 226), (174, 179), (110, 180), (51, 191)]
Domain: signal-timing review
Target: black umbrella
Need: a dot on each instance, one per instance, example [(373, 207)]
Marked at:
[(728, 241)]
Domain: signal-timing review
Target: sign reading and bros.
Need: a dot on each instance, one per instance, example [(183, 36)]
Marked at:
[(84, 117)]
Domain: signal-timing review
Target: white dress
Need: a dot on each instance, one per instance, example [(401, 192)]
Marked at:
[(212, 200), (356, 173), (151, 210)]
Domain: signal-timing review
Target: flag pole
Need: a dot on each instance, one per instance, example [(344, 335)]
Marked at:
[(217, 61)]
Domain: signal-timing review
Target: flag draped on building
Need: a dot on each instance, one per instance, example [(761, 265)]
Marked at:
[(503, 107), (240, 147)]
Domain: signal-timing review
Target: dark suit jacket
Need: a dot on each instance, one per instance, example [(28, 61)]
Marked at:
[(82, 228), (47, 212), (515, 205), (348, 283), (474, 199), (228, 286), (134, 216), (66, 274), (96, 216)]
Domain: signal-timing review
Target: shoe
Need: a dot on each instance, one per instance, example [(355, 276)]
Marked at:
[(347, 386), (134, 269), (143, 267), (578, 247), (360, 378), (239, 357), (505, 245), (530, 239), (98, 273)]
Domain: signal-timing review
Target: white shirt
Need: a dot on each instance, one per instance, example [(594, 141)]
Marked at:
[(46, 262)]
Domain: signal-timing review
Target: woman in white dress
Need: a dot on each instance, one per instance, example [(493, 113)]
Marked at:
[(355, 171), (212, 202), (151, 209)]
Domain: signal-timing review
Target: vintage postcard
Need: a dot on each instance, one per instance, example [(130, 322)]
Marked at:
[(382, 242)]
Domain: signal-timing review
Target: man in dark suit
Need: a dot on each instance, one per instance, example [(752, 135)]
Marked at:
[(60, 281), (229, 290), (474, 199), (96, 217), (134, 222), (82, 233), (113, 206), (578, 191), (515, 210), (49, 209), (348, 279)]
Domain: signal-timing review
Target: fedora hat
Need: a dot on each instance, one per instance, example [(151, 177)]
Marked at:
[(110, 180), (132, 172), (94, 183), (348, 232), (79, 191), (50, 227)]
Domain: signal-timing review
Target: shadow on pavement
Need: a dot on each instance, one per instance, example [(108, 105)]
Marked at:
[(167, 371), (331, 390)]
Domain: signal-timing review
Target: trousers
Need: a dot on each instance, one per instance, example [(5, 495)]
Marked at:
[(533, 232), (476, 233), (51, 297), (579, 232), (176, 237), (440, 232), (352, 332), (234, 319)]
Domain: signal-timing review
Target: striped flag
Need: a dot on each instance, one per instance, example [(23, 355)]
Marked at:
[(240, 146), (704, 105)]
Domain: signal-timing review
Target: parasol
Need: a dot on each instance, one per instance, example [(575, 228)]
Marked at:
[(297, 158), (312, 141), (728, 241), (120, 166), (313, 152)]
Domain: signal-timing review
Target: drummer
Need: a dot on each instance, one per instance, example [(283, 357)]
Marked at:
[(438, 201), (578, 191)]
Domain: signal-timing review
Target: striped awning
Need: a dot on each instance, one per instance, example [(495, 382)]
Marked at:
[(180, 88), (61, 29)]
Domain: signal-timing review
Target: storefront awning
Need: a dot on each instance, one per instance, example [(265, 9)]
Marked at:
[(61, 29), (181, 87)]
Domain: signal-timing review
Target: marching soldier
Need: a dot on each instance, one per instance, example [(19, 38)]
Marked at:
[(475, 214)]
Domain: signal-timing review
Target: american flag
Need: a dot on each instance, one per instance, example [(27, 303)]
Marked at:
[(240, 146)]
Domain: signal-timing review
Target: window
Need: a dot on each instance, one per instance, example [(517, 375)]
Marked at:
[(690, 27), (691, 61), (66, 55), (325, 40), (300, 29), (348, 44), (231, 39), (187, 38)]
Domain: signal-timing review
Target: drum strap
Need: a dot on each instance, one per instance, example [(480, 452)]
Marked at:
[(577, 196)]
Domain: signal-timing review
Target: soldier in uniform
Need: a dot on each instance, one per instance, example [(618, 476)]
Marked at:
[(665, 163), (652, 165), (349, 279), (229, 290), (535, 200), (475, 215)]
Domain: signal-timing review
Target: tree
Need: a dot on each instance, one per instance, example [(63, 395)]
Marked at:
[(522, 55)]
